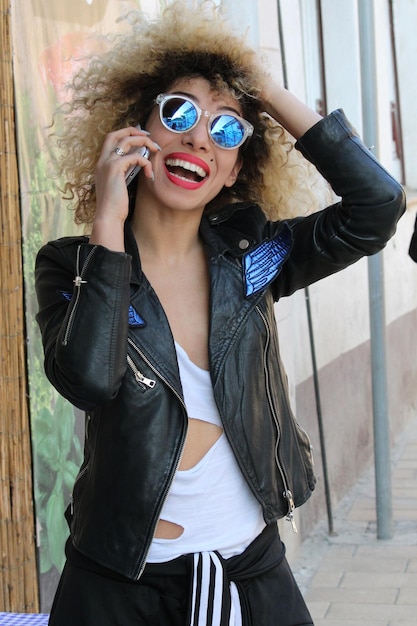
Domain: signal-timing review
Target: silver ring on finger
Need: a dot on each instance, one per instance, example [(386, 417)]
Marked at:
[(119, 151)]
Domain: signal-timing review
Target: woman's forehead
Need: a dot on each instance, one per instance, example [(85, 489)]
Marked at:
[(199, 88)]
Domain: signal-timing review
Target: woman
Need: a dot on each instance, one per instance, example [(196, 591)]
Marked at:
[(160, 324)]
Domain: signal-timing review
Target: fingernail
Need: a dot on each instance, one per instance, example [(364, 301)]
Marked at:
[(158, 146), (152, 178)]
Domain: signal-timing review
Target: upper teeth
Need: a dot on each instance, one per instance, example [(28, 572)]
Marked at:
[(186, 165)]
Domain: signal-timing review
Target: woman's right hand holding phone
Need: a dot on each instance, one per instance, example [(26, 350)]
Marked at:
[(120, 153)]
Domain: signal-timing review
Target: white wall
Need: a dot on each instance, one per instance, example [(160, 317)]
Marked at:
[(342, 58), (385, 83), (405, 12)]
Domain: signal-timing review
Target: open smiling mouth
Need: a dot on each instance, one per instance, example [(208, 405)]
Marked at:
[(190, 172)]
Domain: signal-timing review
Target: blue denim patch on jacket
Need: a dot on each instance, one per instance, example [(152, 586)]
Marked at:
[(264, 263), (67, 295), (135, 320)]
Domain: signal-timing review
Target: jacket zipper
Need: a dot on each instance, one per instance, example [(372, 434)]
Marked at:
[(140, 378), (286, 493), (167, 487), (78, 281)]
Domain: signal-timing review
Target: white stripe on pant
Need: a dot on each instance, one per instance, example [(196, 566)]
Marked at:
[(209, 602)]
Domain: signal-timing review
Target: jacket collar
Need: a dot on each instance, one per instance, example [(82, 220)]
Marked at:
[(236, 229)]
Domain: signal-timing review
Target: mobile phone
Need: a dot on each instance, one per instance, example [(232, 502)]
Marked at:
[(133, 171)]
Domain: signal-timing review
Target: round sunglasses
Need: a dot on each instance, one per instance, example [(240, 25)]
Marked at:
[(180, 114)]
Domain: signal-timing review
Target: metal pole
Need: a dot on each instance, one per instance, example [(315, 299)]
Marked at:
[(376, 290), (319, 417)]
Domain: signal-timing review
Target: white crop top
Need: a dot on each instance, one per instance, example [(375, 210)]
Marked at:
[(197, 390), (210, 501)]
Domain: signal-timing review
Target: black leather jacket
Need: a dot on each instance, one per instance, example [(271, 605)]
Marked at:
[(109, 349)]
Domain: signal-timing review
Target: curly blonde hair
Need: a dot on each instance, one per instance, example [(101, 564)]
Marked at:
[(119, 87)]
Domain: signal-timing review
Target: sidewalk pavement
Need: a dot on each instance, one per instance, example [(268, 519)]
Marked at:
[(353, 578)]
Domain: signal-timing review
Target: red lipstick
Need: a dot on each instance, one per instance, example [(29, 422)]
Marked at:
[(178, 162)]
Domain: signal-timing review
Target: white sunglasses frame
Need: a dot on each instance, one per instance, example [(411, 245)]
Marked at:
[(247, 126)]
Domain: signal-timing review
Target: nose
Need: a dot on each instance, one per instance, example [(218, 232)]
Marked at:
[(198, 137)]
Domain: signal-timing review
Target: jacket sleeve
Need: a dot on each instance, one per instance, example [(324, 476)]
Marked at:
[(83, 295), (359, 224)]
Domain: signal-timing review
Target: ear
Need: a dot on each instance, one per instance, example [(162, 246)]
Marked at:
[(234, 173)]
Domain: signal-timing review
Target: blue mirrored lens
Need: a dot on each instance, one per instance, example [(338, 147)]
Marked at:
[(227, 131), (179, 114)]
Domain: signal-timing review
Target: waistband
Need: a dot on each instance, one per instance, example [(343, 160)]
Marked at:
[(216, 598)]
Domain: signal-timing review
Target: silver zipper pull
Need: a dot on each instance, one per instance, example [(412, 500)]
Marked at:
[(290, 518), (291, 508), (139, 377), (148, 382), (78, 281)]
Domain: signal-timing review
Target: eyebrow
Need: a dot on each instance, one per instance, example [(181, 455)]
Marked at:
[(195, 98)]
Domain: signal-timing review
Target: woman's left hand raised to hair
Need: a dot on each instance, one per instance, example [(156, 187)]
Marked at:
[(295, 116)]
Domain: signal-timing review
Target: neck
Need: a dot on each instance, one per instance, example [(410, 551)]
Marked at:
[(165, 237)]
